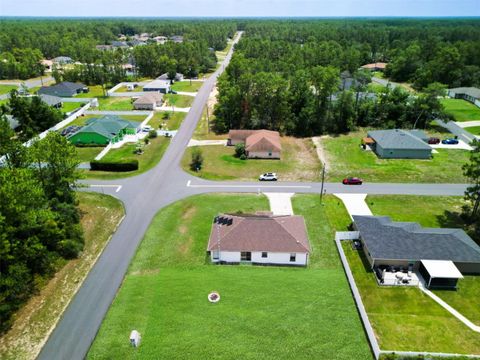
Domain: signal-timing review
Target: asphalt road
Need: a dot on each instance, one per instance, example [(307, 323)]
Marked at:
[(143, 196)]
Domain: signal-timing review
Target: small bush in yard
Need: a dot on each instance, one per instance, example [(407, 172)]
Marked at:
[(197, 159), (152, 134), (240, 150)]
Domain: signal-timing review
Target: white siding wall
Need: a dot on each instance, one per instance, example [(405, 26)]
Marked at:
[(272, 258)]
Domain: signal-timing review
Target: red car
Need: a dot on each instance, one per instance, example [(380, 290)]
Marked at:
[(434, 140), (352, 181)]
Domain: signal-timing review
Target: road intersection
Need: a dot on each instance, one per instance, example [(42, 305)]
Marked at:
[(143, 196)]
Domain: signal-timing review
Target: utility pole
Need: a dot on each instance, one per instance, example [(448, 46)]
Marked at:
[(208, 121), (323, 182)]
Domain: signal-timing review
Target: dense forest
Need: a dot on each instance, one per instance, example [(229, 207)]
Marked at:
[(24, 42), (39, 219), (289, 75)]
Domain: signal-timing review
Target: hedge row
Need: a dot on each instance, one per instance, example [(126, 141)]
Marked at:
[(130, 165)]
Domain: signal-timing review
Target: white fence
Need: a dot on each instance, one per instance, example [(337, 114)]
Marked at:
[(347, 235), (115, 88)]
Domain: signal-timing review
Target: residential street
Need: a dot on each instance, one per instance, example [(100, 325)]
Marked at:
[(143, 197)]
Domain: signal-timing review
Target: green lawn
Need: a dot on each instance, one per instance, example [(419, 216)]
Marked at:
[(475, 130), (113, 103), (405, 319), (153, 153), (181, 101), (186, 86), (264, 312), (5, 89), (172, 123), (346, 158), (204, 130), (299, 162), (95, 91), (428, 211), (462, 110), (70, 106), (87, 154)]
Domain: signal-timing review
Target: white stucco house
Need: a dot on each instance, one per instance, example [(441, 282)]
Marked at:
[(260, 238)]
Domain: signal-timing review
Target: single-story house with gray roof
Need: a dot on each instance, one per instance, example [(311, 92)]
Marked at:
[(409, 245), (400, 144), (63, 89), (162, 86), (471, 94), (53, 101)]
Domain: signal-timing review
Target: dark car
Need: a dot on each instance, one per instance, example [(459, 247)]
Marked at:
[(434, 140), (352, 181), (173, 92), (450, 141)]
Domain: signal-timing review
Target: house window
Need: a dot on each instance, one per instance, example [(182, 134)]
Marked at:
[(293, 257), (246, 256), (264, 254), (269, 154), (216, 255)]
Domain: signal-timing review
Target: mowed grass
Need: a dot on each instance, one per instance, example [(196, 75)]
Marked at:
[(113, 103), (95, 91), (181, 101), (299, 162), (71, 106), (475, 130), (428, 211), (346, 158), (153, 153), (100, 216), (87, 154), (264, 312), (173, 121), (186, 86), (461, 110), (434, 211), (5, 89), (406, 319)]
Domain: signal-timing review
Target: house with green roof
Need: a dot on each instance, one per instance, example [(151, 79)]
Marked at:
[(104, 130)]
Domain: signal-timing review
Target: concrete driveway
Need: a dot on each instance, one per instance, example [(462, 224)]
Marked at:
[(355, 204), (280, 203), (194, 142), (462, 145)]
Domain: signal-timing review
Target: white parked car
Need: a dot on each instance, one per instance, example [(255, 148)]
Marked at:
[(147, 128), (268, 177)]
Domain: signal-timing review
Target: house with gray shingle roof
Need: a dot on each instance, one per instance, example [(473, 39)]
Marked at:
[(409, 245), (260, 238), (53, 101), (63, 89), (400, 144), (471, 94)]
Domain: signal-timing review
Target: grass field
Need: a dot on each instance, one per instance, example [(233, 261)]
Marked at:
[(204, 130), (181, 101), (95, 91), (394, 311), (405, 319), (172, 123), (186, 86), (87, 154), (264, 312), (5, 89), (113, 103), (299, 162), (462, 110), (475, 130), (153, 153), (70, 106), (346, 158), (100, 216), (428, 211)]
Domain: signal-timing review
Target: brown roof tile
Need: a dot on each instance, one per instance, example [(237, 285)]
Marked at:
[(150, 98), (259, 232)]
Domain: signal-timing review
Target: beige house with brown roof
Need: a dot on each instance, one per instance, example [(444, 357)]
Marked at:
[(148, 101), (378, 66), (260, 238), (259, 144)]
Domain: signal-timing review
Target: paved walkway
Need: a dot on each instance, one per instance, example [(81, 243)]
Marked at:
[(280, 203), (465, 124), (194, 142), (187, 93), (355, 204), (172, 109), (450, 309)]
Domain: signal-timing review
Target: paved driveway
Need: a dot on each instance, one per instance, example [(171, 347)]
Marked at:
[(280, 203)]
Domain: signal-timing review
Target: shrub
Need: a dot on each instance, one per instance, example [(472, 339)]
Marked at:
[(118, 166), (243, 157), (240, 150), (197, 159), (152, 134)]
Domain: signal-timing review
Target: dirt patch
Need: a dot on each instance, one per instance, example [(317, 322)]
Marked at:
[(185, 247), (322, 156), (189, 212)]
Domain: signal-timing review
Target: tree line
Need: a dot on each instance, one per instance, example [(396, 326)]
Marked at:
[(39, 218), (24, 42)]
